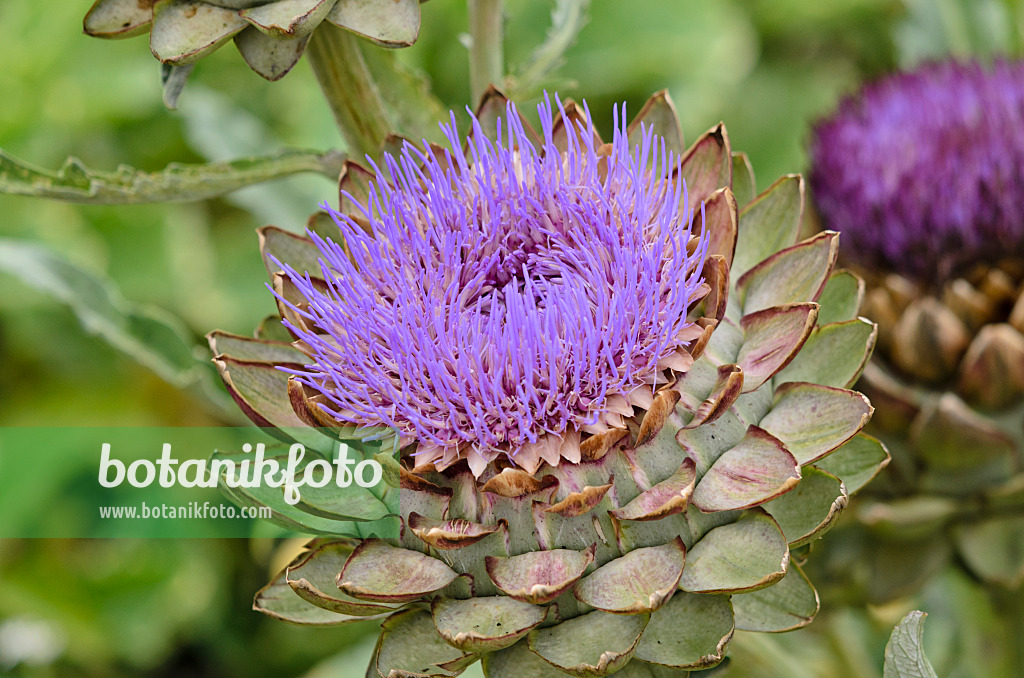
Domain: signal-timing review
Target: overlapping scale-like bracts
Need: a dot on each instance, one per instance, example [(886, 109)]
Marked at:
[(271, 35), (671, 532), (939, 245)]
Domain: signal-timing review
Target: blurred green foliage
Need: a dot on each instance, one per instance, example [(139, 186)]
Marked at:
[(768, 68)]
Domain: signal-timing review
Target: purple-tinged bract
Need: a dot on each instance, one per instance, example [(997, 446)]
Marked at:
[(507, 299), (923, 172)]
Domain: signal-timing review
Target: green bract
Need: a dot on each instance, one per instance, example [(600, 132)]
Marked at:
[(271, 35), (669, 534)]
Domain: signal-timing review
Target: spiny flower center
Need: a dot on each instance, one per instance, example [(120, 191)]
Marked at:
[(495, 300)]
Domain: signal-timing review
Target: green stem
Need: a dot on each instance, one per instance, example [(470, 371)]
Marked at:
[(349, 88), (486, 50)]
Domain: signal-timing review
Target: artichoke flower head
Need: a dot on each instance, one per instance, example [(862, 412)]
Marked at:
[(923, 173), (621, 400)]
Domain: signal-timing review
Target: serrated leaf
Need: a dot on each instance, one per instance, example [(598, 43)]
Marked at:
[(904, 654), (74, 182), (154, 338)]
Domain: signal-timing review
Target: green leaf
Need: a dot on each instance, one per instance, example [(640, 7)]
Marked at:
[(284, 514), (593, 644), (410, 646), (389, 23), (769, 223), (810, 508), (841, 299), (640, 581), (771, 338), (153, 337), (754, 471), (314, 575), (184, 31), (278, 600), (748, 554), (994, 549), (812, 420), (790, 604), (744, 187), (74, 182), (834, 354), (283, 20), (792, 275), (379, 572), (485, 624), (253, 350), (690, 631), (659, 114), (904, 654), (117, 19), (271, 57), (538, 576), (856, 462)]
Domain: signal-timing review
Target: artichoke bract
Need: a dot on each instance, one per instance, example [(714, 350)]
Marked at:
[(924, 172), (621, 399), (271, 35)]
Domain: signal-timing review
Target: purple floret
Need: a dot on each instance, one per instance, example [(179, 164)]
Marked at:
[(923, 172), (504, 294)]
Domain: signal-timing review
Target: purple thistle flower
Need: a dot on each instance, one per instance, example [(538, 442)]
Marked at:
[(923, 172), (505, 300)]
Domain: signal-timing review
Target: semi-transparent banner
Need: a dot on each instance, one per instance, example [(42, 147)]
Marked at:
[(73, 482)]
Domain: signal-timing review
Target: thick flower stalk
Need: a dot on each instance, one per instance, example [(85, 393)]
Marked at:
[(621, 400), (924, 173)]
